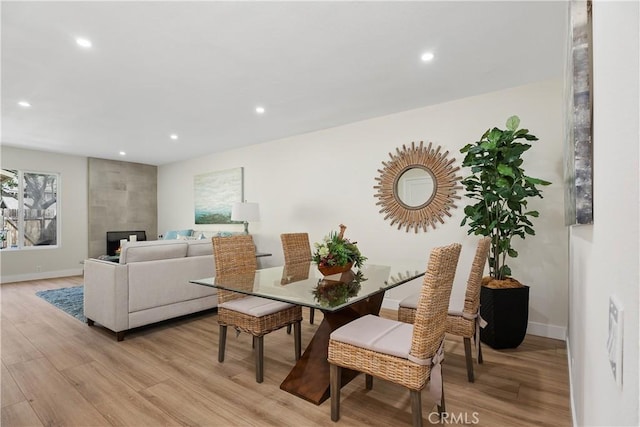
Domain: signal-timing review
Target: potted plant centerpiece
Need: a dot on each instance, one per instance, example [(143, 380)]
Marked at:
[(499, 190), (336, 254)]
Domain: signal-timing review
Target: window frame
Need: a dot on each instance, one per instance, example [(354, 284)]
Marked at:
[(22, 209)]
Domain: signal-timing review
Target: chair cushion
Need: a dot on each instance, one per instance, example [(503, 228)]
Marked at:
[(255, 306), (410, 302), (377, 334), (455, 307)]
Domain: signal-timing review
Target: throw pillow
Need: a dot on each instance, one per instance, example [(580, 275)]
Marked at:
[(175, 234)]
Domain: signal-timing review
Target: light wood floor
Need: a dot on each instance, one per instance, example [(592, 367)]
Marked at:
[(57, 371)]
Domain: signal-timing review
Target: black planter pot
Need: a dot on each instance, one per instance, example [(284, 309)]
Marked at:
[(506, 311)]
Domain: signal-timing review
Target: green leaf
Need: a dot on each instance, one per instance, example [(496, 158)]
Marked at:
[(489, 145), (465, 148), (469, 210), (490, 197), (513, 122), (513, 205), (525, 220), (505, 170), (536, 181), (512, 253), (503, 183), (494, 135), (505, 270), (534, 214)]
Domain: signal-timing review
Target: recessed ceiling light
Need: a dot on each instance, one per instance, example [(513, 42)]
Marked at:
[(82, 42), (24, 104), (427, 56), (122, 153), (260, 110), (173, 136)]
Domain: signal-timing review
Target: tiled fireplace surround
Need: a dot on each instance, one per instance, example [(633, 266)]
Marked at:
[(122, 196)]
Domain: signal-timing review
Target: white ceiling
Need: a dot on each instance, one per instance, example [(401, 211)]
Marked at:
[(199, 69)]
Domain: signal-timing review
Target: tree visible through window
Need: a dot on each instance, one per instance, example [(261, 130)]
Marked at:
[(29, 209)]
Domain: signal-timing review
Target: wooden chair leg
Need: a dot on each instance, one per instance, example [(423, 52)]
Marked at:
[(297, 339), (289, 329), (335, 373), (259, 344), (416, 408), (120, 335), (368, 381), (469, 357), (312, 313), (222, 342)]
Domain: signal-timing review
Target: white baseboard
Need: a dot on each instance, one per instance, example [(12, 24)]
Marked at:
[(548, 331), (41, 275), (533, 328)]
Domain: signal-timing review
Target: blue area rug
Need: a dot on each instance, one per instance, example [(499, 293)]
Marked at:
[(69, 300)]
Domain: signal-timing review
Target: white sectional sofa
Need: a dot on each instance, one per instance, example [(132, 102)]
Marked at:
[(149, 284)]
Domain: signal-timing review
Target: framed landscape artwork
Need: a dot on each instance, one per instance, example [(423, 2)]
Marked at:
[(215, 194), (578, 171)]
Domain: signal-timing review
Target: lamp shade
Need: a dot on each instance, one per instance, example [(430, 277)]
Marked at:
[(245, 212)]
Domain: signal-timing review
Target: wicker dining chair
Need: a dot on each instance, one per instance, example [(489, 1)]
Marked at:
[(409, 355), (297, 249), (465, 323), (235, 260)]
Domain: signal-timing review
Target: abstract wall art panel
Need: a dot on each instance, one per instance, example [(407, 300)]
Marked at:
[(215, 194), (578, 171)]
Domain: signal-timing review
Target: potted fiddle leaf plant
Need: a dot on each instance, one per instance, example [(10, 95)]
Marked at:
[(499, 191)]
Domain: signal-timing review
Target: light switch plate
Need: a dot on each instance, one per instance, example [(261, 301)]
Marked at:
[(614, 342)]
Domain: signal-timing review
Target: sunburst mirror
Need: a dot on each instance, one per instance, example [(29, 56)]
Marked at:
[(417, 187)]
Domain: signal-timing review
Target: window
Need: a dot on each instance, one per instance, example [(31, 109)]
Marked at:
[(29, 209)]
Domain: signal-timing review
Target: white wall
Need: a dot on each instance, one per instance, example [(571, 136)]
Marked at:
[(604, 256), (64, 260), (316, 181)]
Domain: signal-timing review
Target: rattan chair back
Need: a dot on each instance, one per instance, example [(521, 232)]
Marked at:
[(233, 255), (433, 302), (296, 247), (472, 294)]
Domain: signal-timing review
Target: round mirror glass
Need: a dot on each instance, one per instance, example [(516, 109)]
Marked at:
[(415, 187)]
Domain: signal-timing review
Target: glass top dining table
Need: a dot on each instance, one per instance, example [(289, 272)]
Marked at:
[(342, 298), (304, 285)]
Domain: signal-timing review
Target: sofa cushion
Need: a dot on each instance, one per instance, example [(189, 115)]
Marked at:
[(163, 283), (152, 250), (199, 247)]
